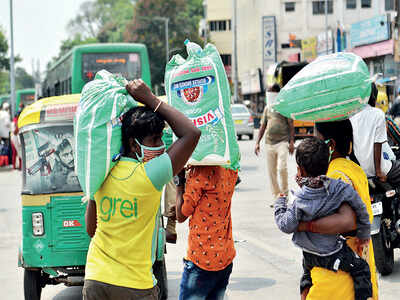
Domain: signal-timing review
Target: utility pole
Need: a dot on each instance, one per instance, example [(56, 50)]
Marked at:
[(206, 22), (166, 21), (12, 73), (166, 40), (326, 27), (235, 62)]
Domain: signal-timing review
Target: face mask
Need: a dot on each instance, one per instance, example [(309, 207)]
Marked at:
[(148, 153), (330, 151)]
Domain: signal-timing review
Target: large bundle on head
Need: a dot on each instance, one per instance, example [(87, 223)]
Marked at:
[(97, 129), (198, 87), (331, 88)]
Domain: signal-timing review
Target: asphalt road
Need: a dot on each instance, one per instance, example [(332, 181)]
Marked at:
[(267, 265)]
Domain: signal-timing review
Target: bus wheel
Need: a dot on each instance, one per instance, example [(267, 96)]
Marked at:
[(32, 284)]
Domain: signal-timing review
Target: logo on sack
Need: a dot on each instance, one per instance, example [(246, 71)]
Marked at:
[(212, 117), (192, 90)]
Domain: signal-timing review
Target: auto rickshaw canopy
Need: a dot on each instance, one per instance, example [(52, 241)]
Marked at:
[(51, 109)]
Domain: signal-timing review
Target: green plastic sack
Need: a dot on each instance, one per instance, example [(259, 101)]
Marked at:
[(97, 129), (198, 87), (331, 88)]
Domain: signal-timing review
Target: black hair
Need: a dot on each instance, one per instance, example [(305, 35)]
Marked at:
[(139, 122), (275, 88), (313, 155), (61, 146), (374, 95), (340, 131)]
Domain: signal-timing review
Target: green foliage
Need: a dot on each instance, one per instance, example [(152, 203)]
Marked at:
[(101, 21), (117, 15), (23, 80), (4, 82), (112, 21), (4, 60), (77, 40), (184, 17), (104, 20)]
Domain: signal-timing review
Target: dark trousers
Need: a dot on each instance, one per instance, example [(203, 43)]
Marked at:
[(345, 260), (393, 177), (199, 284), (96, 290)]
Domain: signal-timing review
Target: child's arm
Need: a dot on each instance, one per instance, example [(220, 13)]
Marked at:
[(286, 218)]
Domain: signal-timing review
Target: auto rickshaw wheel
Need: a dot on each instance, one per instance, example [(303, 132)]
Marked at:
[(32, 284)]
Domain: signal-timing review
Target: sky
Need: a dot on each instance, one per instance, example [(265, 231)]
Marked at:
[(39, 27)]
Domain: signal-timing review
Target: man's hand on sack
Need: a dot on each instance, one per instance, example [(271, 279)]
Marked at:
[(141, 93)]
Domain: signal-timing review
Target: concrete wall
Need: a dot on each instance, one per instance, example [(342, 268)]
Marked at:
[(301, 22)]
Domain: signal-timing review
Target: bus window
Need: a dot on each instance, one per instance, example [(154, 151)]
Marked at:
[(57, 89), (27, 99), (69, 85), (126, 64)]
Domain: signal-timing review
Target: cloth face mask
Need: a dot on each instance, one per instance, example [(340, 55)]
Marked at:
[(148, 153)]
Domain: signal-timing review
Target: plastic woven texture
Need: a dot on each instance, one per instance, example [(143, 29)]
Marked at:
[(198, 87), (97, 129), (331, 88)]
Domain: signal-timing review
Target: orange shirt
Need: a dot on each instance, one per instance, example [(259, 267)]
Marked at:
[(207, 199)]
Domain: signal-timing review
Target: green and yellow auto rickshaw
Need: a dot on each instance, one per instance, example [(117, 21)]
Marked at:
[(54, 239)]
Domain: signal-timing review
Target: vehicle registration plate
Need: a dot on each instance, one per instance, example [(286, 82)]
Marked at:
[(238, 121), (377, 208)]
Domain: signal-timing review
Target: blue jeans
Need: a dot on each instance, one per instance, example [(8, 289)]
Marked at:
[(199, 284)]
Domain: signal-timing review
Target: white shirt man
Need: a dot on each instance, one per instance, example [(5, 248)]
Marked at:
[(5, 121), (369, 130)]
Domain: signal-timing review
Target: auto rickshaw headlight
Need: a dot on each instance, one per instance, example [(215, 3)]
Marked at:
[(37, 224)]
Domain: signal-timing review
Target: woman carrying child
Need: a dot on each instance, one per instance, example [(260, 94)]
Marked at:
[(327, 284)]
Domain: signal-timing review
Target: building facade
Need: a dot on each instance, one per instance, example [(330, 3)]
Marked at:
[(275, 30)]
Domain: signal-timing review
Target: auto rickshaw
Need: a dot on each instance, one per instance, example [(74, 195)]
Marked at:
[(54, 240)]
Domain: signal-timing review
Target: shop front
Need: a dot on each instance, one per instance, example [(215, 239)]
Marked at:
[(253, 93)]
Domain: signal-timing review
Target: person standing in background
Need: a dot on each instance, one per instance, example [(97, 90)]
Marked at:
[(16, 144), (169, 196), (5, 126), (279, 141)]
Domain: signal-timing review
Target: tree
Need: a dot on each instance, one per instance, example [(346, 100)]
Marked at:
[(184, 17), (5, 64), (23, 80), (117, 15), (87, 22), (101, 21), (4, 60), (104, 20)]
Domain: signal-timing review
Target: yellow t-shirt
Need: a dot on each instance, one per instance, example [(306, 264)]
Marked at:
[(327, 284), (122, 250)]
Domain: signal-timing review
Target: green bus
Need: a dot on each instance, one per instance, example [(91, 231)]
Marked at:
[(24, 98), (80, 65)]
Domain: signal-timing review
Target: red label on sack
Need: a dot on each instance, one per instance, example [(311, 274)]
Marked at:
[(71, 223)]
